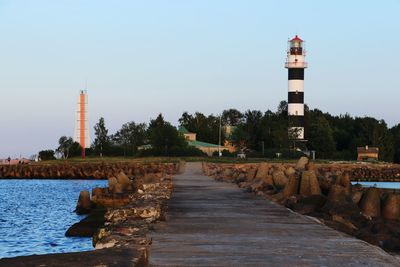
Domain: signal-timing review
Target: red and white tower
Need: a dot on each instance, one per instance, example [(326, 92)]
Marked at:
[(82, 122), (295, 63)]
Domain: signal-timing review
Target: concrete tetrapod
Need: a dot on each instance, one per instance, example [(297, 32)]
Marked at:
[(391, 207), (292, 186), (84, 204), (301, 163), (262, 170), (371, 203)]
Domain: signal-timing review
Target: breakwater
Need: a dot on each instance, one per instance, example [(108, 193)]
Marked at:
[(66, 170), (324, 192)]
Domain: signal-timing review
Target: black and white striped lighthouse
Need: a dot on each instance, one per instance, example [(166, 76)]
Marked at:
[(295, 63)]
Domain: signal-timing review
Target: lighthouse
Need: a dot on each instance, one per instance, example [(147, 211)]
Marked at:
[(295, 63), (82, 122)]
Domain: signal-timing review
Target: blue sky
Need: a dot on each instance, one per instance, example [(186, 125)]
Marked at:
[(140, 58)]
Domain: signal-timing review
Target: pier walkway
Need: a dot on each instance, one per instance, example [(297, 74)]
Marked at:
[(212, 223)]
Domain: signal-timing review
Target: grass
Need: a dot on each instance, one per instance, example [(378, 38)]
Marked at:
[(78, 160)]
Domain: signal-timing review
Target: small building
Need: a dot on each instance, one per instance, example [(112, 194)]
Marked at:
[(207, 148), (188, 135), (367, 153)]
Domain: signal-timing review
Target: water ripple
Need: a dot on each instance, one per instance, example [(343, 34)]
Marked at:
[(34, 215)]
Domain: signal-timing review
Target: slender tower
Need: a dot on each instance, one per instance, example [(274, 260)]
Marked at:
[(82, 122), (295, 63)]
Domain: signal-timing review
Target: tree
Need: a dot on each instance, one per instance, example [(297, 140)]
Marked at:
[(274, 130), (102, 141), (46, 154), (67, 147), (164, 138), (321, 137), (205, 127), (395, 131), (282, 108), (232, 117), (252, 125), (240, 138), (130, 136)]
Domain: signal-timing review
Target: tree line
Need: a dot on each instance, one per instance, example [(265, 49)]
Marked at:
[(260, 134), (158, 138)]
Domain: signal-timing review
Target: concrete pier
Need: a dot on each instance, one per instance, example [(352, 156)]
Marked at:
[(211, 223)]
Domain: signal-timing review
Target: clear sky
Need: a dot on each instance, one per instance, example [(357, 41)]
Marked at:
[(140, 58)]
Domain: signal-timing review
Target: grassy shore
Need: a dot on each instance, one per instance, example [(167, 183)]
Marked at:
[(78, 160)]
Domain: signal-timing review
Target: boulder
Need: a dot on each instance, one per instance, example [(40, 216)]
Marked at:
[(344, 180), (370, 204), (112, 200), (258, 185), (314, 184), (337, 193), (124, 181), (292, 186), (227, 173), (150, 178), (309, 184), (301, 163), (356, 197), (278, 197), (347, 223), (268, 180), (341, 224), (240, 178), (310, 166), (118, 189), (88, 226), (305, 185), (112, 181), (309, 204), (391, 207), (289, 171), (325, 183), (97, 191), (251, 173), (347, 210), (262, 170), (279, 178), (84, 204)]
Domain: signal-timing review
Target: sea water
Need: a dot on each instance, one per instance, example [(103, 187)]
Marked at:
[(386, 185), (34, 215)]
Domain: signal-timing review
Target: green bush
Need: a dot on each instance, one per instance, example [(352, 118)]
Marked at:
[(175, 151), (47, 154)]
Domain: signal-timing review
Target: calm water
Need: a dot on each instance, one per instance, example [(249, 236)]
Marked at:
[(34, 215), (387, 185)]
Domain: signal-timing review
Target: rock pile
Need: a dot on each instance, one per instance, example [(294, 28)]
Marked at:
[(101, 170), (128, 224), (121, 214), (324, 192)]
